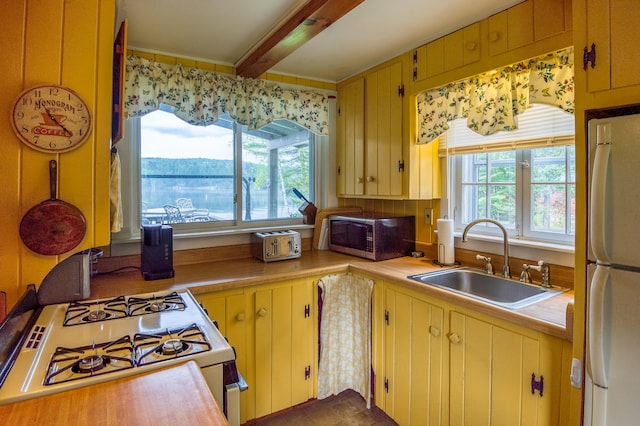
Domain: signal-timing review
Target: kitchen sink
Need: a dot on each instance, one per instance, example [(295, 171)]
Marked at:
[(493, 289)]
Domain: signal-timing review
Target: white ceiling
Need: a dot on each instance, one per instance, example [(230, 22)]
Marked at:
[(224, 31)]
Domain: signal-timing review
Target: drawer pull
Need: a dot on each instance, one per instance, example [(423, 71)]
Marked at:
[(434, 331)]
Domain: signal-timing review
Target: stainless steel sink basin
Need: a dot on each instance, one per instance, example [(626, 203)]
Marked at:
[(493, 289)]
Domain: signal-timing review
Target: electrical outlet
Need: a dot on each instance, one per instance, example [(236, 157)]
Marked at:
[(428, 216)]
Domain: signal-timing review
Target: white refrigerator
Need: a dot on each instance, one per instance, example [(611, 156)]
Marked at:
[(612, 383)]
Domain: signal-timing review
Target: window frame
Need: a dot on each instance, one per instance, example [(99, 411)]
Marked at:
[(129, 148), (523, 213)]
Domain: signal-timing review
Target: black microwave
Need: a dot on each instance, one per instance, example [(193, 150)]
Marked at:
[(372, 237)]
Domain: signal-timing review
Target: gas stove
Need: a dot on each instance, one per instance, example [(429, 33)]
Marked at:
[(83, 343)]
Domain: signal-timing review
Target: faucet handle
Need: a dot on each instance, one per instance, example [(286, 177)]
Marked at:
[(525, 275), (488, 267), (543, 267)]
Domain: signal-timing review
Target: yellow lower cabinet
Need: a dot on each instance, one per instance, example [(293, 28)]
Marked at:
[(500, 375), (411, 391), (285, 322), (229, 310)]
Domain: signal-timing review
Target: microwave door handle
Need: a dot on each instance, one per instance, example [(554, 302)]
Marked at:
[(598, 285), (597, 208)]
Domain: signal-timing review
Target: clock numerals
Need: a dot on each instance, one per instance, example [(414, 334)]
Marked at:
[(51, 118)]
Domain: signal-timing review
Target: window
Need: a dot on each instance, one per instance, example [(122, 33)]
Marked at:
[(525, 183), (530, 191), (223, 175)]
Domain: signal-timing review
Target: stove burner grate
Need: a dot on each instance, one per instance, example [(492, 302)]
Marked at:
[(169, 302), (69, 364), (99, 310), (170, 344)]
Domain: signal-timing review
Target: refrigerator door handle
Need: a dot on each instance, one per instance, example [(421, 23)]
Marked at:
[(597, 209), (597, 367)]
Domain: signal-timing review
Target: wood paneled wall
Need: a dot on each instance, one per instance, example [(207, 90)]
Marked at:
[(66, 42)]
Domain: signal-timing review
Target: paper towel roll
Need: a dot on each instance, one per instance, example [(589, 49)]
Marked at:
[(446, 253)]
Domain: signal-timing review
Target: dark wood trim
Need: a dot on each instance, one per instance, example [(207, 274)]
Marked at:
[(306, 23)]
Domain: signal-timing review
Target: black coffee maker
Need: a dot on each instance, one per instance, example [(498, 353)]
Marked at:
[(157, 252)]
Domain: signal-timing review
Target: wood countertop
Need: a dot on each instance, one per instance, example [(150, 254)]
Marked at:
[(177, 395), (549, 316)]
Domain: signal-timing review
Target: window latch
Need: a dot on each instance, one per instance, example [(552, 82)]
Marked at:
[(525, 164)]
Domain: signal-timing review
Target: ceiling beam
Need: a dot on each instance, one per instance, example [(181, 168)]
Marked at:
[(306, 23)]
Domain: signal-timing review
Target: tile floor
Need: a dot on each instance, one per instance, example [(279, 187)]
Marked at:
[(346, 409)]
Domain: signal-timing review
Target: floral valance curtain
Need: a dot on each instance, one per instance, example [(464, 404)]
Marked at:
[(200, 96), (491, 101)]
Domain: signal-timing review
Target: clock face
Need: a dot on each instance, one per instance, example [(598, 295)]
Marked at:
[(51, 119)]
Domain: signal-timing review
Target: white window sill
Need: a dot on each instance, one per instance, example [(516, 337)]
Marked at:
[(556, 253), (187, 240)]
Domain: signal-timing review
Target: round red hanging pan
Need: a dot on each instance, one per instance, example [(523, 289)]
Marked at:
[(53, 227)]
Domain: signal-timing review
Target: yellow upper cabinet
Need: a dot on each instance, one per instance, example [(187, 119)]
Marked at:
[(350, 139), (383, 132), (528, 29), (610, 27), (369, 152), (446, 53)]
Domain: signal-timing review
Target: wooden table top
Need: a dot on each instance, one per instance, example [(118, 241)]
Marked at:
[(177, 395)]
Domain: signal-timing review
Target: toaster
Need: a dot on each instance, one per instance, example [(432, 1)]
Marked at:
[(276, 245)]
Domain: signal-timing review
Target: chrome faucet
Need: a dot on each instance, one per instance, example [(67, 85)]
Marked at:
[(506, 272)]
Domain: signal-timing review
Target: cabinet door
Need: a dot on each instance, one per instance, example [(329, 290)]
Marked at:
[(303, 331), (491, 372), (413, 360), (350, 139), (283, 346), (383, 118), (228, 309), (611, 25)]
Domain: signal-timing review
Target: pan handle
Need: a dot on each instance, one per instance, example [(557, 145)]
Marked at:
[(53, 179)]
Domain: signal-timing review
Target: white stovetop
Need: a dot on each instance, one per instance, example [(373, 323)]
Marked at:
[(27, 374)]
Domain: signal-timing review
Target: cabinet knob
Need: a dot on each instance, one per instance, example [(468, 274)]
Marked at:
[(494, 36), (240, 316), (370, 178), (454, 338), (471, 45), (262, 312), (434, 331)]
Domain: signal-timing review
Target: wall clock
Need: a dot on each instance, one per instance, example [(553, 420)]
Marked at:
[(51, 118)]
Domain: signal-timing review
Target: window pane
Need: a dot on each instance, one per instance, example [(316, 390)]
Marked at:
[(549, 164), (474, 202), (187, 171), (474, 168), (571, 155), (549, 208), (275, 159), (502, 166), (572, 208), (502, 205)]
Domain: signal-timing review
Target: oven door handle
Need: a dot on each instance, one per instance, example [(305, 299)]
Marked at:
[(242, 384)]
